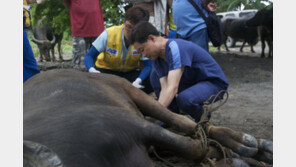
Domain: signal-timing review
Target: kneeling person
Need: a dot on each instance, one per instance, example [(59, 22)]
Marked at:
[(112, 52), (185, 75)]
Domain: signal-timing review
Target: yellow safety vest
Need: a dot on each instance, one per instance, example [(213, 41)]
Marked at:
[(26, 15), (111, 58)]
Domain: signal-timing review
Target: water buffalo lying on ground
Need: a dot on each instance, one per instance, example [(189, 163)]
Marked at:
[(264, 21), (83, 119), (46, 39), (236, 28)]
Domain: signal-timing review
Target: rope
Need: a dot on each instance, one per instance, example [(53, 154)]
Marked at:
[(162, 159), (207, 104), (201, 127), (219, 146)]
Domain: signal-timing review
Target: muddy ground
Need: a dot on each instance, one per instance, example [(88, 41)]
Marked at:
[(250, 104)]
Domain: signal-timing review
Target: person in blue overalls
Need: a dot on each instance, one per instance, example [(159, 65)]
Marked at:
[(186, 74)]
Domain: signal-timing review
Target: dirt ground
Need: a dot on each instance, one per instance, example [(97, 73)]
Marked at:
[(250, 104)]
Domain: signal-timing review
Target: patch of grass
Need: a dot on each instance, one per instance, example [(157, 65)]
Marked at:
[(212, 48)]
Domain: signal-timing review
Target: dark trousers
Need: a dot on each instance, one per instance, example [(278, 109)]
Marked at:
[(130, 76)]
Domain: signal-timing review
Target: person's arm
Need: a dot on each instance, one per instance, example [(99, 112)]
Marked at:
[(169, 86), (144, 73), (89, 59), (209, 5), (98, 46)]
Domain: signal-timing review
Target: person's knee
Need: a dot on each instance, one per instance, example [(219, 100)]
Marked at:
[(184, 102), (186, 105)]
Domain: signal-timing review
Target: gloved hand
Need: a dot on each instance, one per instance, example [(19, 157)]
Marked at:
[(93, 70), (40, 1), (137, 83)]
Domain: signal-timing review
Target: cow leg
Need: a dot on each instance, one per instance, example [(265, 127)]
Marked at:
[(269, 42), (241, 143), (184, 146), (60, 51), (150, 107), (262, 46), (52, 53), (241, 49), (252, 49), (47, 57), (41, 57), (226, 47)]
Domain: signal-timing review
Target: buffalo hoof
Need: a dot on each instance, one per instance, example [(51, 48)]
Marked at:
[(264, 156), (249, 140), (247, 151), (265, 145), (239, 163)]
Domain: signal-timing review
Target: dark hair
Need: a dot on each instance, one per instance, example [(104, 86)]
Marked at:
[(141, 32), (136, 14)]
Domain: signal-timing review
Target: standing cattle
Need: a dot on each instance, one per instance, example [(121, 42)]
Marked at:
[(237, 29), (79, 119), (264, 21), (46, 40)]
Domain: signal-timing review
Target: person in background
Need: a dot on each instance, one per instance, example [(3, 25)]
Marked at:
[(171, 25), (186, 74), (86, 25), (190, 25), (29, 62), (112, 52), (157, 13)]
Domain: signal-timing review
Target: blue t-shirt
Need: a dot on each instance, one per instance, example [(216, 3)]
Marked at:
[(186, 18), (198, 64)]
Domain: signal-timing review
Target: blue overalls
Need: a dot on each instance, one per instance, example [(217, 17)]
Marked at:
[(202, 76)]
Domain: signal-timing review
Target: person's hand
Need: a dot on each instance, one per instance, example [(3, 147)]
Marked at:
[(212, 7), (93, 70), (137, 83), (40, 1)]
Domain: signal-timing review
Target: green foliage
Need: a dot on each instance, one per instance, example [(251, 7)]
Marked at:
[(113, 12), (57, 15)]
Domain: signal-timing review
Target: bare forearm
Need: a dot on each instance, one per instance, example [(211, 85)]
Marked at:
[(167, 95)]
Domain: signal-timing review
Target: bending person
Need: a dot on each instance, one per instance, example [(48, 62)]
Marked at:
[(185, 74)]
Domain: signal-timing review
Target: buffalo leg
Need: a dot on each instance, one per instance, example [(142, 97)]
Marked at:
[(184, 146), (41, 57), (241, 143), (60, 51), (269, 42), (241, 49), (226, 47), (52, 53), (150, 107), (262, 46), (252, 49)]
